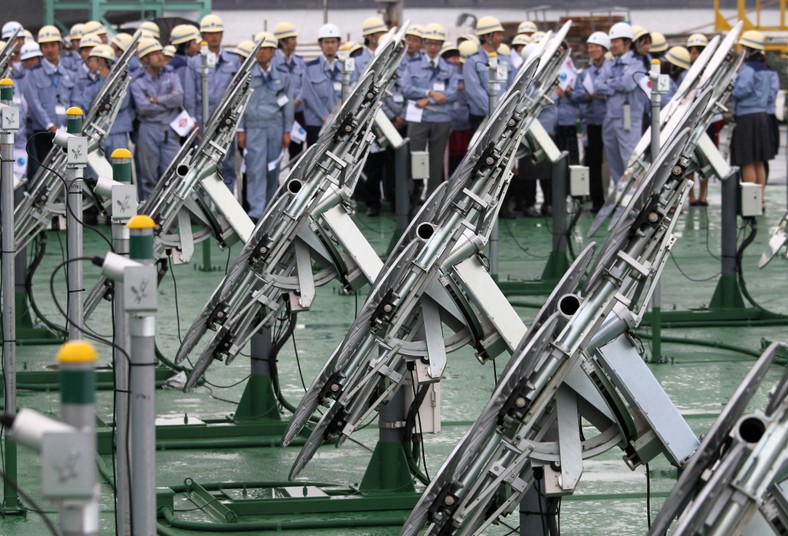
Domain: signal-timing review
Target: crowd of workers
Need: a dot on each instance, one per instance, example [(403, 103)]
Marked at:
[(439, 100)]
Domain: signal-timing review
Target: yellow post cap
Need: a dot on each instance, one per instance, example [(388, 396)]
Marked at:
[(203, 43), (6, 82), (77, 352), (121, 153), (141, 222), (655, 61), (75, 110)]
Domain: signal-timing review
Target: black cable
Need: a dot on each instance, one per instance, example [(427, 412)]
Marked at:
[(298, 363), (94, 336), (227, 386), (495, 374), (523, 249), (175, 292), (35, 507), (708, 248), (694, 280)]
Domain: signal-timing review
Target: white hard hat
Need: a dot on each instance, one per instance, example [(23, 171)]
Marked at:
[(328, 30), (244, 48), (504, 50), (528, 49), (269, 40), (122, 41), (211, 24), (89, 41), (373, 25), (416, 30), (93, 27), (147, 45), (621, 30), (679, 56), (10, 27), (658, 42), (434, 32), (76, 32), (183, 33), (753, 39), (49, 34), (30, 50), (487, 25), (467, 49), (151, 28), (697, 40), (283, 30), (599, 38), (527, 27), (103, 51), (169, 51), (639, 31), (521, 40)]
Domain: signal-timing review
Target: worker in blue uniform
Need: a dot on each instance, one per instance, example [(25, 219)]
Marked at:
[(158, 97), (83, 77), (223, 66), (286, 57), (751, 145), (264, 129), (372, 30), (322, 87), (430, 85), (186, 39), (119, 44), (593, 111), (47, 90), (100, 61), (72, 59), (476, 72), (625, 106)]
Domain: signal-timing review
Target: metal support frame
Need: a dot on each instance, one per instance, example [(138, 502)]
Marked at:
[(98, 9), (401, 192), (9, 125), (493, 88), (76, 160)]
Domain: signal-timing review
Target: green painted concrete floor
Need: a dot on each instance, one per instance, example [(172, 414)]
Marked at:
[(611, 499)]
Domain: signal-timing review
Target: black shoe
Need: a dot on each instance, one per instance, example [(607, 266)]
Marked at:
[(373, 212), (547, 210), (531, 212)]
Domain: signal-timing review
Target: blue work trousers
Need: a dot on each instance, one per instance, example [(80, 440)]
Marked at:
[(263, 145)]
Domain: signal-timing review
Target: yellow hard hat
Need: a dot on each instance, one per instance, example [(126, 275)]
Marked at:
[(638, 32), (658, 42), (169, 51), (416, 30), (244, 48), (183, 33), (93, 27), (102, 51), (448, 46), (147, 45), (29, 37), (753, 39), (520, 40), (348, 49), (504, 50), (151, 28), (697, 40), (49, 34), (211, 24), (487, 25), (467, 48), (89, 41), (527, 27), (679, 56), (122, 41), (468, 37), (76, 32), (283, 30), (269, 40), (537, 36), (373, 25), (434, 32)]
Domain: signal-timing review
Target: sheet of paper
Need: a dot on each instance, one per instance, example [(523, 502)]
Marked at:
[(645, 85), (588, 83), (297, 133), (413, 113), (272, 165), (567, 75), (183, 124)]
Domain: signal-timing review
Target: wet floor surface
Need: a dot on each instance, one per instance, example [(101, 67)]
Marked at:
[(611, 499)]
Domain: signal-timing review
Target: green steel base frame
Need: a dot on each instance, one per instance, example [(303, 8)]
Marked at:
[(49, 380), (554, 270), (255, 423), (726, 307), (98, 9), (27, 333)]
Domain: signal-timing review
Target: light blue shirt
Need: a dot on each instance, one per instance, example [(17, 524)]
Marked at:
[(219, 77), (48, 87), (265, 107), (167, 90), (592, 113), (477, 76), (751, 91), (620, 86), (322, 89), (420, 78)]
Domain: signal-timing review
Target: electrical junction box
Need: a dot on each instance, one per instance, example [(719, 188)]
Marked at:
[(77, 151), (579, 185), (68, 465), (9, 118), (420, 165), (751, 199)]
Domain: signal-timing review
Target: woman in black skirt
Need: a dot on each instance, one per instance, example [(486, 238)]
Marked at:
[(752, 141)]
